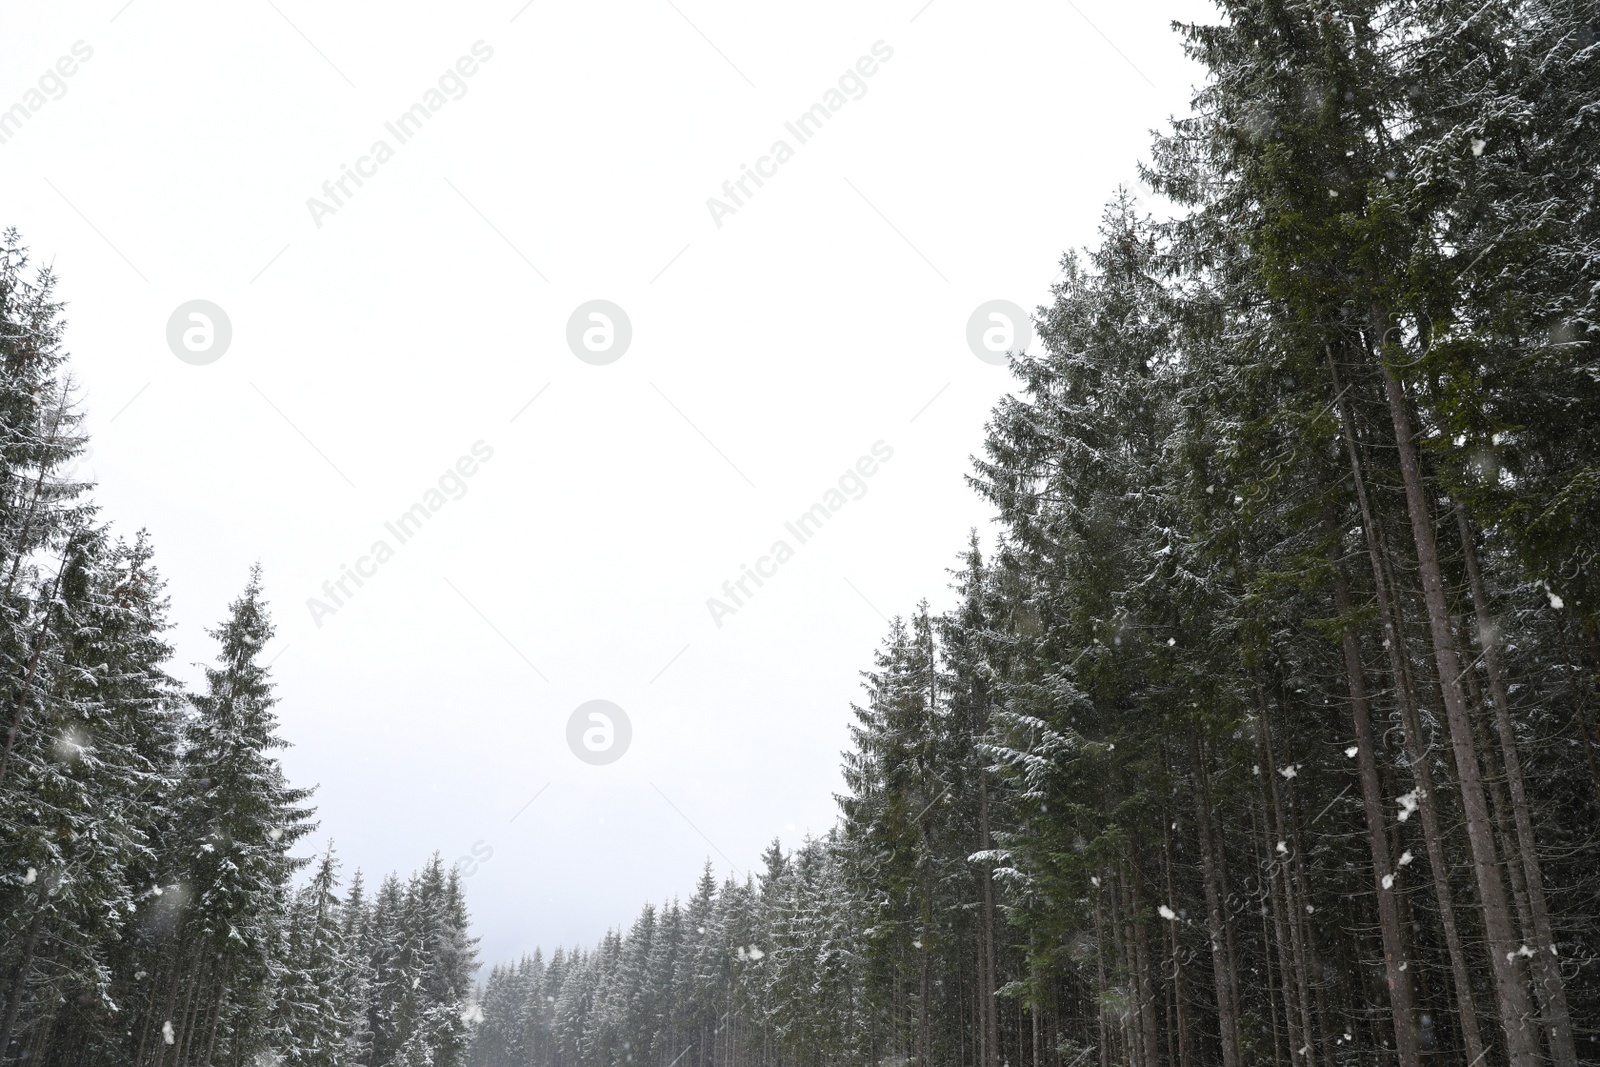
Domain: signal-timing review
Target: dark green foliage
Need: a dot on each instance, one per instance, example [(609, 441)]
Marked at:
[(147, 912), (1285, 659)]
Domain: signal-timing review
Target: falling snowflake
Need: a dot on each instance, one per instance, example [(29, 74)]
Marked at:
[(1555, 601), (1406, 857), (30, 877), (1408, 804), (166, 1032), (1477, 146), (756, 953), (1291, 771), (1350, 753), (1283, 848), (1388, 881), (1167, 913), (473, 1014), (275, 833)]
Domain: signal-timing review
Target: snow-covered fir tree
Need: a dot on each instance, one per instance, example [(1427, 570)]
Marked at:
[(149, 914)]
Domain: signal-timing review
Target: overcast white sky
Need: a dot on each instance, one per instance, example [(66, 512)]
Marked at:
[(369, 353)]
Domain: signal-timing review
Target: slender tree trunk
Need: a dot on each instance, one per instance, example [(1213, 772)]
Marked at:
[(1516, 1011), (174, 983), (1547, 985), (1210, 865), (185, 1023), (1149, 1028), (1395, 643), (1230, 941), (1287, 914), (1133, 1050), (1101, 985), (19, 978), (1179, 1009), (990, 1018), (1302, 911), (217, 1010), (158, 985), (1296, 1025), (1402, 993), (1033, 1005), (924, 1056)]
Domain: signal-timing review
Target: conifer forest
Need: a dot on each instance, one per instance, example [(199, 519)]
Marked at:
[(1262, 728)]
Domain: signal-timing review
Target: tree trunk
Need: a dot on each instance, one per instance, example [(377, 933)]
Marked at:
[(19, 978), (1395, 643), (1100, 976), (1211, 864), (1286, 914), (1269, 908), (1401, 990), (1547, 984), (1180, 1018), (1149, 1028), (1511, 993), (990, 1013), (1132, 1031)]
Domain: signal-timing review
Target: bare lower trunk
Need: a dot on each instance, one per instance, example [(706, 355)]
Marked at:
[(1227, 1017), (1547, 984), (1268, 907), (1287, 915), (1149, 1029), (1100, 977), (19, 979), (1179, 1015), (1133, 1054), (1516, 1011), (1296, 1007), (1416, 744), (1401, 993), (990, 1013)]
